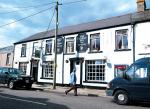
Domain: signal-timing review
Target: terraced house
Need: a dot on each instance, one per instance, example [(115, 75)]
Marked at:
[(99, 50)]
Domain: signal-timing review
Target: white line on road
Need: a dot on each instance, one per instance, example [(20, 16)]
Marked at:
[(23, 100)]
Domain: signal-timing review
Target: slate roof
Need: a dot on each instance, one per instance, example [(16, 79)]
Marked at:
[(8, 49), (90, 26)]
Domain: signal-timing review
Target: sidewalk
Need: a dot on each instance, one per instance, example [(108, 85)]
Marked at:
[(61, 89)]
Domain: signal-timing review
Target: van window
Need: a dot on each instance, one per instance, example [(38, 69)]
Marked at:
[(137, 71)]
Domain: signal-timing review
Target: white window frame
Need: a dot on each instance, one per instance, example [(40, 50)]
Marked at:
[(48, 47), (95, 42), (95, 70), (23, 50), (48, 69), (121, 39), (23, 66), (70, 45)]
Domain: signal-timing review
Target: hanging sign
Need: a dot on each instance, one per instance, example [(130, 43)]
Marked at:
[(82, 42), (60, 45)]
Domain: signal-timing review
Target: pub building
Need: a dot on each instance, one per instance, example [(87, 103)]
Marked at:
[(100, 50)]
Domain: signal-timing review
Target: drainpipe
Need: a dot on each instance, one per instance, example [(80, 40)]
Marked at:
[(13, 53), (133, 27), (63, 61)]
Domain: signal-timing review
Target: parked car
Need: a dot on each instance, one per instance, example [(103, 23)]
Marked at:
[(15, 78), (134, 85)]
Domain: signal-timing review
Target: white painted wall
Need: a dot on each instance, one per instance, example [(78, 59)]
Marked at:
[(63, 68), (142, 40)]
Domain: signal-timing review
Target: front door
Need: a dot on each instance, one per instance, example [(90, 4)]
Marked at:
[(34, 70), (77, 64)]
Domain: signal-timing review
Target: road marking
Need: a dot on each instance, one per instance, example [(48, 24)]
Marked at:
[(23, 100)]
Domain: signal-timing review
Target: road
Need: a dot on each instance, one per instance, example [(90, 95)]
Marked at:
[(33, 99)]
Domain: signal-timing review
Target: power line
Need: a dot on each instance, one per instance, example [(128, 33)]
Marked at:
[(50, 22), (66, 3), (33, 6), (25, 17), (21, 10)]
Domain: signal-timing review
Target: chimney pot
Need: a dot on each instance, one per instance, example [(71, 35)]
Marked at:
[(141, 6)]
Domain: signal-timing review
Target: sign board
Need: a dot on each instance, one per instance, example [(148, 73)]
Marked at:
[(60, 45), (82, 42)]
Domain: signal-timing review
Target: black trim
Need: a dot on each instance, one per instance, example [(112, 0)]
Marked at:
[(122, 50), (69, 53), (95, 52), (46, 78), (94, 82)]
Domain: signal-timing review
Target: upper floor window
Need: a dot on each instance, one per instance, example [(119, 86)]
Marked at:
[(23, 50), (36, 50), (48, 47), (95, 42), (8, 62), (70, 45), (121, 39)]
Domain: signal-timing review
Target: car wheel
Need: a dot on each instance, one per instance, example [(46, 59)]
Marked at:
[(121, 97), (11, 85)]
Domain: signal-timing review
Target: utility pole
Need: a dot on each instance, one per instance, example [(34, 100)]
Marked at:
[(56, 34)]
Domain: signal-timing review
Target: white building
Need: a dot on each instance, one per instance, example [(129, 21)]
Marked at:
[(99, 50)]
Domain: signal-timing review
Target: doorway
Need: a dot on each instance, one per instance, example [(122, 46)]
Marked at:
[(77, 64), (34, 70)]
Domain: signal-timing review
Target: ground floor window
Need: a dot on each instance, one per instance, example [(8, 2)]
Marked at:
[(95, 70), (23, 66), (119, 70), (48, 69)]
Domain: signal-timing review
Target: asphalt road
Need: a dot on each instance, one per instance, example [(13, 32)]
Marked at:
[(33, 99)]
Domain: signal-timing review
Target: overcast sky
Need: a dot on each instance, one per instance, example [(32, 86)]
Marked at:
[(69, 14)]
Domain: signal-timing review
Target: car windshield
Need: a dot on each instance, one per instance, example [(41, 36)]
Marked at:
[(16, 71)]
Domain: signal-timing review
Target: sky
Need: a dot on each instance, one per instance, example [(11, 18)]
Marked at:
[(71, 12)]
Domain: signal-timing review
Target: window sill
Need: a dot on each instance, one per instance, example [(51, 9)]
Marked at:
[(95, 52), (94, 82), (22, 56), (122, 50), (48, 54)]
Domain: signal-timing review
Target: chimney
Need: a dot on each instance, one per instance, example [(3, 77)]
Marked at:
[(141, 6)]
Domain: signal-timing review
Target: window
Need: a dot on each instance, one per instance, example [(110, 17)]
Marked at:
[(70, 45), (8, 62), (121, 39), (95, 42), (23, 66), (23, 50), (119, 70), (95, 70), (48, 69), (137, 72), (48, 47), (36, 50)]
